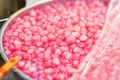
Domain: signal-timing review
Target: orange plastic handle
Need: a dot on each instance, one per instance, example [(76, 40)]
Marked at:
[(8, 65)]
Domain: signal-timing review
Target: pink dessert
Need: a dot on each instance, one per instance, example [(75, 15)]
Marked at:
[(51, 40)]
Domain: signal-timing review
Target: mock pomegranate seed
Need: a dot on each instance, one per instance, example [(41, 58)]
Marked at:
[(58, 52), (47, 56), (70, 39), (44, 39), (8, 52), (90, 23), (67, 55), (49, 77), (77, 28), (60, 77), (72, 70), (76, 34), (21, 64), (83, 37), (75, 63), (56, 61), (27, 65), (51, 40), (76, 49), (17, 43), (83, 31), (49, 70), (30, 50), (15, 33), (32, 69), (51, 37)]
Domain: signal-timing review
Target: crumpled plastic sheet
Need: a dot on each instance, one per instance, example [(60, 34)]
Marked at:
[(108, 43)]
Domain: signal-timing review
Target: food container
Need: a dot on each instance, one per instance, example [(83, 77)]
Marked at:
[(70, 40)]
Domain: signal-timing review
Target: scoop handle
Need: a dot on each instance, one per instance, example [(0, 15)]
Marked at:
[(8, 65)]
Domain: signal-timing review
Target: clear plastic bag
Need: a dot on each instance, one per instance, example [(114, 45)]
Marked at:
[(102, 63)]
